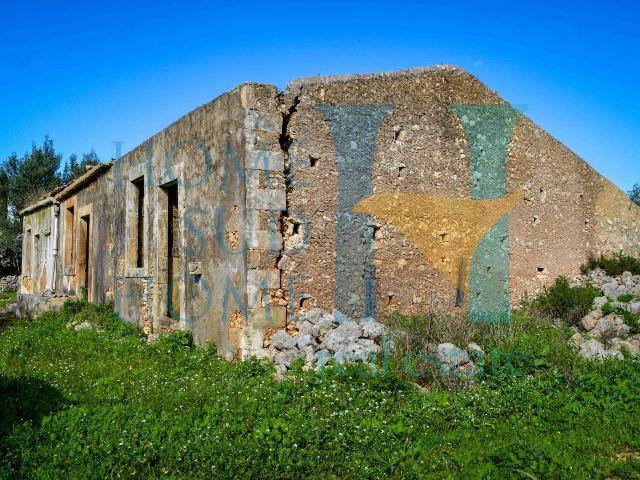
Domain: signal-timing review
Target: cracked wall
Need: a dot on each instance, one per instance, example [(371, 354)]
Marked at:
[(360, 194), (444, 144)]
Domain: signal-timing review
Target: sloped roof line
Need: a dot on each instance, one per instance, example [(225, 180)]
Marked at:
[(60, 193)]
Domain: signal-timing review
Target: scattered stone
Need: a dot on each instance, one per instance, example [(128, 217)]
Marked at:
[(610, 326), (600, 302), (281, 340), (633, 307), (576, 339), (323, 326), (305, 341), (314, 315), (323, 357), (612, 354), (591, 319), (475, 348), (450, 355), (372, 329), (591, 349), (632, 347), (320, 338), (609, 289), (342, 336), (467, 370)]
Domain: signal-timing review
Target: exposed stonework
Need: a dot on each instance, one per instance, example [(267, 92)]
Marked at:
[(358, 195)]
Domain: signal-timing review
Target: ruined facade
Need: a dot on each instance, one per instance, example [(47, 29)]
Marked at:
[(359, 194)]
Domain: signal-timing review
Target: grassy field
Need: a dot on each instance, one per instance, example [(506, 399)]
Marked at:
[(106, 404), (7, 298)]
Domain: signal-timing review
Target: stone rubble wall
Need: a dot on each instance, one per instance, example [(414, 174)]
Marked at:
[(601, 335), (9, 283)]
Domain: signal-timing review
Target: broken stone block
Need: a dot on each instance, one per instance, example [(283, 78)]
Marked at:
[(281, 340), (450, 355), (591, 319), (341, 336), (591, 349)]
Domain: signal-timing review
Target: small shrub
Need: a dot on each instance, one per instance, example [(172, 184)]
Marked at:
[(607, 309), (625, 298), (175, 341), (562, 301), (613, 265)]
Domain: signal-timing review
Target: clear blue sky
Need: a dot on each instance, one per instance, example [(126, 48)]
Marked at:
[(91, 73)]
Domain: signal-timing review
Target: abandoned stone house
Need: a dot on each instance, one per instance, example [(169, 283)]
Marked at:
[(358, 194)]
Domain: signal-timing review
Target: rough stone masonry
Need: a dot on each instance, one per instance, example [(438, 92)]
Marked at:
[(357, 195)]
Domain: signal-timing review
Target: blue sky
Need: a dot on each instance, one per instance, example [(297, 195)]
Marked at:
[(93, 73)]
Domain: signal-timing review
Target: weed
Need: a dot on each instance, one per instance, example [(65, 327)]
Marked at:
[(566, 302), (613, 265)]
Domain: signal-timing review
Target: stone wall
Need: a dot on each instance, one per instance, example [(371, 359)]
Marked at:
[(392, 175), (359, 195), (9, 283)]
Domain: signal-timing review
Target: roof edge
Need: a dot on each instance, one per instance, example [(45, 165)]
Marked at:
[(323, 79), (48, 200), (58, 194)]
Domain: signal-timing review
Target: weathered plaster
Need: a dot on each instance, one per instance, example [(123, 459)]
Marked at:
[(359, 194)]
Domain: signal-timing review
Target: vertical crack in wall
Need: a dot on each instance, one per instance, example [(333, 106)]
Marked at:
[(285, 144)]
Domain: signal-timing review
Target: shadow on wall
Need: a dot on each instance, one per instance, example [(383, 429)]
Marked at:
[(25, 399)]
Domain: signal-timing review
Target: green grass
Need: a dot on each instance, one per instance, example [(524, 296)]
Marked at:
[(613, 265), (7, 298), (87, 404), (625, 298)]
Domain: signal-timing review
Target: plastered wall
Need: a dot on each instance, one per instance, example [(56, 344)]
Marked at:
[(361, 195)]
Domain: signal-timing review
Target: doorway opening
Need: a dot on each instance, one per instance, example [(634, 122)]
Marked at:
[(84, 255)]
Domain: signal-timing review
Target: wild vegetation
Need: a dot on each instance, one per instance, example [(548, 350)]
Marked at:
[(24, 180), (104, 403), (634, 193), (613, 265)]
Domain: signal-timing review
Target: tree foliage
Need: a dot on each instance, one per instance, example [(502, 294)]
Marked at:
[(31, 176), (25, 180), (634, 193), (74, 168)]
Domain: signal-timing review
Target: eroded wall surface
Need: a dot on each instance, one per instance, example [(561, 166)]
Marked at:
[(424, 187), (361, 195), (182, 232)]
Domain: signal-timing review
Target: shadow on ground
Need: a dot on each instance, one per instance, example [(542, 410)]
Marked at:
[(25, 399)]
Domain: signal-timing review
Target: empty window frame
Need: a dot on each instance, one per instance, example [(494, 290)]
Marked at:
[(136, 224)]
